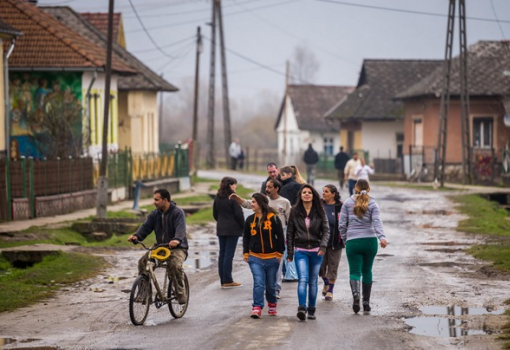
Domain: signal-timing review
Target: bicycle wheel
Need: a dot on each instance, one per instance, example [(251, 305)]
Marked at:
[(177, 310), (140, 300)]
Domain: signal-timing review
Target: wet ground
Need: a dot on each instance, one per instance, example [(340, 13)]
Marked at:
[(427, 293)]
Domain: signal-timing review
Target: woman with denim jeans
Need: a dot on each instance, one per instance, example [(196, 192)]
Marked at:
[(229, 227), (263, 246), (360, 227), (307, 240)]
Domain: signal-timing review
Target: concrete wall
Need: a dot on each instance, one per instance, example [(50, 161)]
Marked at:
[(143, 114)]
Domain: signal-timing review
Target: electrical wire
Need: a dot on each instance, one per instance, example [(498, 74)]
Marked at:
[(406, 11), (147, 32), (499, 23), (178, 59), (165, 46)]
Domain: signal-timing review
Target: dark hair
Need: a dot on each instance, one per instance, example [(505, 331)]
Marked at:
[(164, 194), (316, 210), (263, 203), (277, 184), (224, 191), (271, 164), (334, 190)]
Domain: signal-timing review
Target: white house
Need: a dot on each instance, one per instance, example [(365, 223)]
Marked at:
[(301, 121)]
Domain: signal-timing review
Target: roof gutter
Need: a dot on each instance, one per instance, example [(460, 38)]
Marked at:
[(6, 98), (58, 69)]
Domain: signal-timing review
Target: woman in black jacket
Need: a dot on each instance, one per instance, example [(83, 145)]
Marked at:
[(290, 185), (329, 268), (307, 240), (229, 227)]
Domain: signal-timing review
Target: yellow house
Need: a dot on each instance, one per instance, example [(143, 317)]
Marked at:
[(7, 40)]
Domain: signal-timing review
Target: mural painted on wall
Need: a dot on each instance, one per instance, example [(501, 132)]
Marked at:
[(46, 114)]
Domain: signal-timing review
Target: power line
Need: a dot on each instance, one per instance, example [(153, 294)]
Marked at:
[(499, 23), (147, 32), (178, 58), (207, 19), (407, 11), (165, 46)]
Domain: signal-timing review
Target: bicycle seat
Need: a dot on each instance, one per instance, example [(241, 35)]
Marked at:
[(161, 253)]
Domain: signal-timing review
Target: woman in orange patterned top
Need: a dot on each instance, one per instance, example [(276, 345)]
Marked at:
[(263, 246)]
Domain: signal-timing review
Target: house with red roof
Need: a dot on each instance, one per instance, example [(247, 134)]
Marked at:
[(51, 69)]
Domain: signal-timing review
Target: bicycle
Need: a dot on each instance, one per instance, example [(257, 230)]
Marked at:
[(142, 295)]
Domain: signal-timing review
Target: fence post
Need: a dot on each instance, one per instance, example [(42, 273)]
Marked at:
[(177, 162), (31, 181), (8, 187), (58, 175), (82, 186), (23, 176), (247, 159), (70, 174)]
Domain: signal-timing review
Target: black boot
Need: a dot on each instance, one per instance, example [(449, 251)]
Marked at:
[(311, 313), (301, 312), (355, 288), (367, 289)]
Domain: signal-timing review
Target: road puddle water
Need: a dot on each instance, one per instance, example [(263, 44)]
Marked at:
[(443, 321), (13, 341), (203, 248)]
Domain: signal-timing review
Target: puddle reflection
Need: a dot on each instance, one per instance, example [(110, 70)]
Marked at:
[(9, 341), (447, 326)]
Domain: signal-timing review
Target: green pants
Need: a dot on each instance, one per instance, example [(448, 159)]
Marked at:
[(361, 254)]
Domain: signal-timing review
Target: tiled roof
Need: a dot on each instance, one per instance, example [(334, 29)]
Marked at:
[(8, 30), (144, 79), (379, 82), (310, 102), (488, 73), (46, 43), (100, 21)]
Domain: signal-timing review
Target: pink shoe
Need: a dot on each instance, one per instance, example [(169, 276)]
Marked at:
[(256, 312), (271, 309)]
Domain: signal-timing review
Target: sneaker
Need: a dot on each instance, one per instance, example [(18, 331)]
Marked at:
[(271, 309), (231, 285), (277, 294), (329, 296), (256, 312), (325, 290)]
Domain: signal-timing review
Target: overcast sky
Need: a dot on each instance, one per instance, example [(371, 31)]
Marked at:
[(261, 35)]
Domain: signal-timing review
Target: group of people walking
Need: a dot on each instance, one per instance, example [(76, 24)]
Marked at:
[(294, 231)]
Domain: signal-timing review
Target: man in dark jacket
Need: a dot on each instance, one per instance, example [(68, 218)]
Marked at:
[(274, 173), (311, 158), (341, 159), (169, 224)]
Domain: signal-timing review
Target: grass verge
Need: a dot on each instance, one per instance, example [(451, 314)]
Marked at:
[(24, 287), (486, 218), (415, 186)]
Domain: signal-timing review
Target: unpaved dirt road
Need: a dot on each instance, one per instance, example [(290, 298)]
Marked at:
[(424, 268)]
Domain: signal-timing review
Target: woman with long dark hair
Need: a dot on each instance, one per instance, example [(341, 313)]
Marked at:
[(307, 240), (229, 227), (329, 268), (263, 246), (360, 227)]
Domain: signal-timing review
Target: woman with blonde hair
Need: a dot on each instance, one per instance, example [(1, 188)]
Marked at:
[(297, 175), (360, 227)]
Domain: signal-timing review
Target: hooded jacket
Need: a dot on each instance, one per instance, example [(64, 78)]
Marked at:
[(169, 225), (335, 241), (290, 189), (263, 240)]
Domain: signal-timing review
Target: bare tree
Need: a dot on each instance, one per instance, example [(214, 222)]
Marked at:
[(304, 66)]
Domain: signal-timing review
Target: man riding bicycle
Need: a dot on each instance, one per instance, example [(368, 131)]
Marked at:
[(169, 224)]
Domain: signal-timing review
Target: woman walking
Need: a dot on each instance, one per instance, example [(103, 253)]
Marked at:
[(229, 227), (307, 240), (360, 227), (263, 246), (329, 268)]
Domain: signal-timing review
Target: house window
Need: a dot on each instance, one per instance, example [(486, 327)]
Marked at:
[(482, 132), (328, 146), (400, 144)]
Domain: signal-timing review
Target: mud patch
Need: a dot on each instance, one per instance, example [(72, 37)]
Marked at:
[(449, 243), (445, 250)]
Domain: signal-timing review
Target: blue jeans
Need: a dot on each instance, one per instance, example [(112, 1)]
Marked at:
[(228, 246), (352, 183), (308, 265), (264, 279)]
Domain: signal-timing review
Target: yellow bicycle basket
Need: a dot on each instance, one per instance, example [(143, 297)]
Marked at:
[(161, 253)]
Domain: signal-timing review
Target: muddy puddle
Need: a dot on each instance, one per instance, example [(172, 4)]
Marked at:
[(451, 321), (20, 344)]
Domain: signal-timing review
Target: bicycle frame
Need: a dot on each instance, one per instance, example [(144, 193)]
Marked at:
[(151, 266)]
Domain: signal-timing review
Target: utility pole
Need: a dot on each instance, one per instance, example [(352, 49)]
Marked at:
[(210, 160), (102, 182), (160, 119), (285, 114), (445, 96), (464, 97), (226, 108), (195, 105)]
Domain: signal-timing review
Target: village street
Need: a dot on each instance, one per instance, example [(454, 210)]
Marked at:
[(422, 272)]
